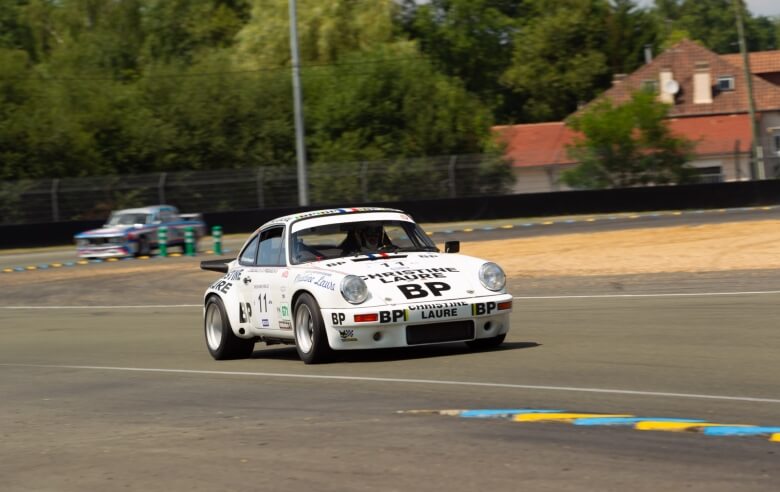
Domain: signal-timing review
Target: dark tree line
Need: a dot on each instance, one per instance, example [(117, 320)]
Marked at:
[(91, 87)]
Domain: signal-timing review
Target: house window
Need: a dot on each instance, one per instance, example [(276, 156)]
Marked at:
[(776, 139), (725, 83), (710, 174), (650, 86)]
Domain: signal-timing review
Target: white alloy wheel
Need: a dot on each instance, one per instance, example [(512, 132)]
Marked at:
[(304, 329), (311, 341), (213, 327), (220, 339)]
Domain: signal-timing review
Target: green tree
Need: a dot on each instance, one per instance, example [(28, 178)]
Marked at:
[(43, 130), (14, 31), (627, 145), (559, 59), (210, 116), (713, 22), (178, 31), (471, 40), (629, 29), (87, 37), (326, 31), (395, 111)]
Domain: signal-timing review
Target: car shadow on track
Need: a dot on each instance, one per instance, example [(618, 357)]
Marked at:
[(385, 355)]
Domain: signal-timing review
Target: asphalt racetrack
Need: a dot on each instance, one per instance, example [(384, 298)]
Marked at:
[(106, 384)]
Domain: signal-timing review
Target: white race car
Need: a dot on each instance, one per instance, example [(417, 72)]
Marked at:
[(344, 279)]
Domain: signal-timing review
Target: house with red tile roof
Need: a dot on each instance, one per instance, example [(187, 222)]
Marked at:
[(708, 99)]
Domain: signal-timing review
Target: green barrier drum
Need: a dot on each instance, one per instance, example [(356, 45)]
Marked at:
[(189, 241), (216, 234), (162, 240)]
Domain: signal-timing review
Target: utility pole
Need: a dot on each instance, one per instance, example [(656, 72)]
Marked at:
[(758, 149), (300, 146)]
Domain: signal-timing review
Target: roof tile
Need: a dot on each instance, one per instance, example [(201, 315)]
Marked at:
[(543, 144), (760, 61), (682, 59)]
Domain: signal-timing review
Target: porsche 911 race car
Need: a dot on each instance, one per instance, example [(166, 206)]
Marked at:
[(345, 279)]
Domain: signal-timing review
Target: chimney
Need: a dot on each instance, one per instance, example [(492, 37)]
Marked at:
[(666, 86), (648, 53), (702, 83)]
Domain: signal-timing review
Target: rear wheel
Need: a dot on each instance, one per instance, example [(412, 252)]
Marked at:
[(486, 343), (310, 338), (221, 341)]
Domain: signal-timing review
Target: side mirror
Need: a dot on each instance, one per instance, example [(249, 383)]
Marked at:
[(452, 247)]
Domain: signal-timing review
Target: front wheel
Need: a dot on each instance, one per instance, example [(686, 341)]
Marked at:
[(222, 343), (143, 247), (486, 343), (310, 338)]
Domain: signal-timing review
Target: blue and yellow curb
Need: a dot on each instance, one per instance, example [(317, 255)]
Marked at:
[(79, 262), (663, 424)]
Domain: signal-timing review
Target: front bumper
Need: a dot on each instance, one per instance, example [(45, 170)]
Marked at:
[(418, 324), (106, 250)]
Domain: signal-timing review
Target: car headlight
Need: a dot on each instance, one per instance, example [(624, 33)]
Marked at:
[(354, 289), (492, 276)]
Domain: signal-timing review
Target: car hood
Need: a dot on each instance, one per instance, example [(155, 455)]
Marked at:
[(105, 232), (413, 277)]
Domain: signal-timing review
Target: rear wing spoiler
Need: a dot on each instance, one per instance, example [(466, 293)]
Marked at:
[(220, 265)]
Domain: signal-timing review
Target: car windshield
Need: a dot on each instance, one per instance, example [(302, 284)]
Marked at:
[(331, 241), (128, 219)]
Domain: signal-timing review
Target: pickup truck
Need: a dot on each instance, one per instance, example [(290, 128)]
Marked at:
[(133, 232)]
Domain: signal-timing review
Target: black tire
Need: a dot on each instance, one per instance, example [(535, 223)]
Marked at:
[(222, 343), (311, 341), (143, 247), (486, 343)]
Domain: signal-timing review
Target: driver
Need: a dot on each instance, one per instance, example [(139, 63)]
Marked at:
[(371, 237), (366, 238)]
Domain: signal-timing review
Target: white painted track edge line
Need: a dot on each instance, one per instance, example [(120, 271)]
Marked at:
[(402, 380), (670, 294)]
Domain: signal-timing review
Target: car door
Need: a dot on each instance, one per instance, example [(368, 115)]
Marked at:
[(242, 277), (266, 283)]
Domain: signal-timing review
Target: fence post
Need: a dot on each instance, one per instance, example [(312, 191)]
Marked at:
[(55, 206), (260, 187), (216, 235), (162, 241), (364, 180), (451, 176), (161, 188)]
